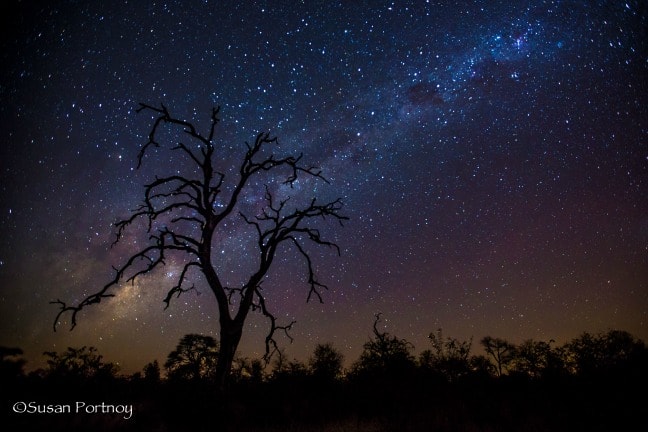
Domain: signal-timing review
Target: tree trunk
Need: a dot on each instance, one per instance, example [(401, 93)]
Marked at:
[(231, 333)]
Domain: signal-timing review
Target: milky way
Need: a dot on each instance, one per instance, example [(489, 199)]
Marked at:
[(492, 158)]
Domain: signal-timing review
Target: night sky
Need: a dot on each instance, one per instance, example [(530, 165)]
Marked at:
[(491, 155)]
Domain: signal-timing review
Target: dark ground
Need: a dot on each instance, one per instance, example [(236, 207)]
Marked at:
[(606, 402)]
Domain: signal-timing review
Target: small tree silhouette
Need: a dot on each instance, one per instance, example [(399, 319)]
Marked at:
[(384, 355), (326, 362), (537, 359), (449, 357), (190, 216), (194, 358), (500, 351), (152, 372)]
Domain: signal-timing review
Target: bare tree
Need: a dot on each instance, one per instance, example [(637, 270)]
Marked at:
[(182, 213)]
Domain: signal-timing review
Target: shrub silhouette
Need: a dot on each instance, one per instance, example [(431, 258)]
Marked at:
[(449, 357), (326, 363), (384, 355)]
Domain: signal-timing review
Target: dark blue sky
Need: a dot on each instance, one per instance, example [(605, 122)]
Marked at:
[(492, 158)]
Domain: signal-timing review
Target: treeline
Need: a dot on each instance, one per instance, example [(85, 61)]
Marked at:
[(593, 382)]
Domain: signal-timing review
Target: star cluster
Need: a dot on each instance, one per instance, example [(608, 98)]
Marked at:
[(492, 158)]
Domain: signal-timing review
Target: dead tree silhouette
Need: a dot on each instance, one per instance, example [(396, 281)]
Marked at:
[(194, 207)]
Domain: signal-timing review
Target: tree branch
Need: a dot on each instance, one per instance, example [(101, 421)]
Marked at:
[(165, 117), (178, 243), (271, 345), (178, 289)]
